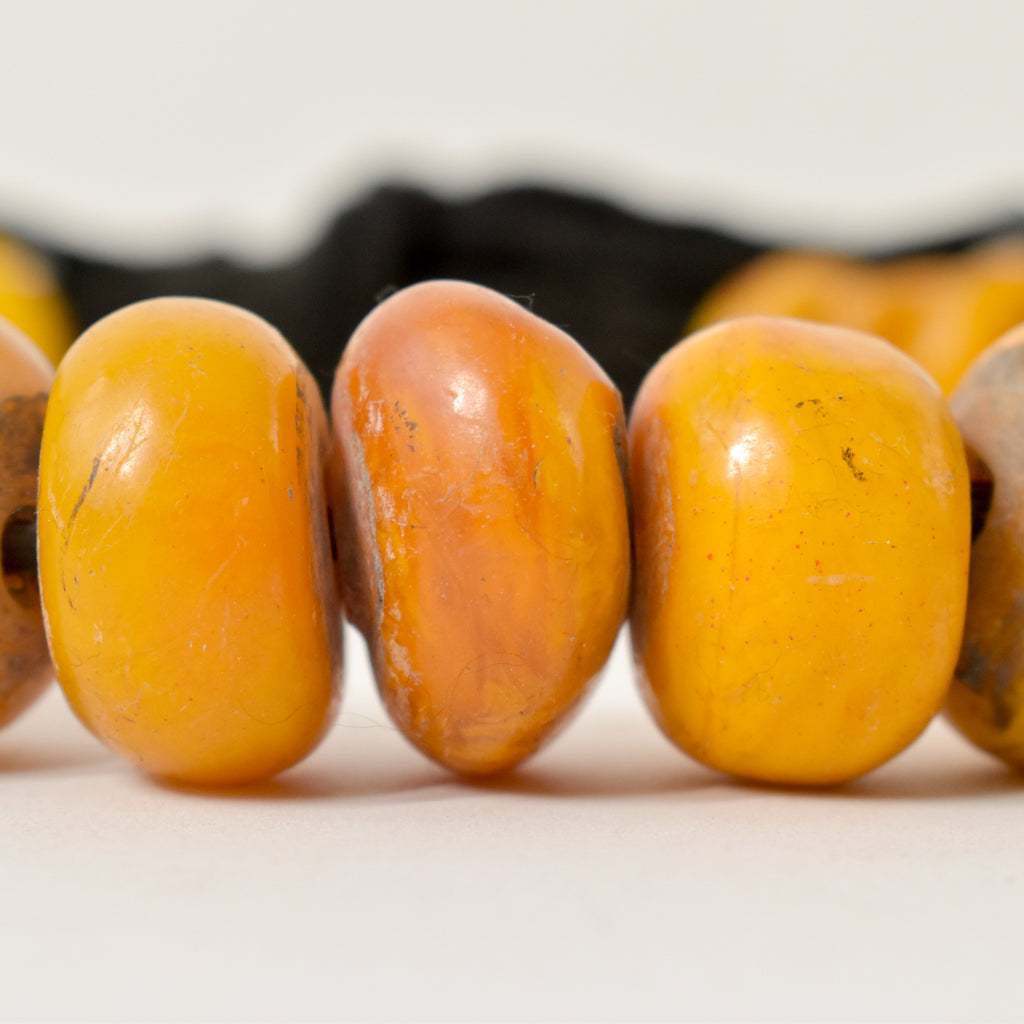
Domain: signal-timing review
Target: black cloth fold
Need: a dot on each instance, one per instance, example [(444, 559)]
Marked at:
[(622, 284)]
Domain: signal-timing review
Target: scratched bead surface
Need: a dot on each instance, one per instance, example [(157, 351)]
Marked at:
[(489, 563), (802, 532), (184, 552)]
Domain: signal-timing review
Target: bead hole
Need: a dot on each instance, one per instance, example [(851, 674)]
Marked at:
[(331, 535), (982, 492), (18, 556)]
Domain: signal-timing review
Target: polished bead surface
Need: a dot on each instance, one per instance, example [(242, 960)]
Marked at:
[(488, 543), (185, 558), (802, 530)]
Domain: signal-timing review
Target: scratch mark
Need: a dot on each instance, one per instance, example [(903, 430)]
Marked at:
[(81, 498), (465, 483), (836, 579)]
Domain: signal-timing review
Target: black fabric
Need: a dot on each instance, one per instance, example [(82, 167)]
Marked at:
[(623, 285)]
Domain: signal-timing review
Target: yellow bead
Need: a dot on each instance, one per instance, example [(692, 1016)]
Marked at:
[(183, 539), (31, 298), (802, 530)]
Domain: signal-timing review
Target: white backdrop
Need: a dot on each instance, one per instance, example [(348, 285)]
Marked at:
[(612, 879), (137, 124)]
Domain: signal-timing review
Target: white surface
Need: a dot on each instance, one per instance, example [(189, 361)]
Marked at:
[(612, 879), (144, 124)]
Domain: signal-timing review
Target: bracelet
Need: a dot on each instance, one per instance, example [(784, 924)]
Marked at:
[(477, 505)]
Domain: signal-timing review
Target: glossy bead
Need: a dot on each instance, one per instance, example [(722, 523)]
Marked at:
[(184, 547), (802, 531), (489, 560), (25, 380)]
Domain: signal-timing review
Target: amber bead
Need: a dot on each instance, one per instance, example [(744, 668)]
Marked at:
[(802, 530), (184, 548), (488, 534)]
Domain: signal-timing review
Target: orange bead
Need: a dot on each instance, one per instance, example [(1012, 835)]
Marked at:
[(184, 545), (25, 380), (489, 566), (908, 291), (978, 299), (802, 532), (820, 286)]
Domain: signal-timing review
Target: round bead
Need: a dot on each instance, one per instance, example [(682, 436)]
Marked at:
[(185, 559), (489, 537), (802, 531)]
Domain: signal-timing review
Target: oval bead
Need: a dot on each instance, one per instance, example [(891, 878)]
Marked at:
[(489, 561), (184, 549), (802, 533)]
